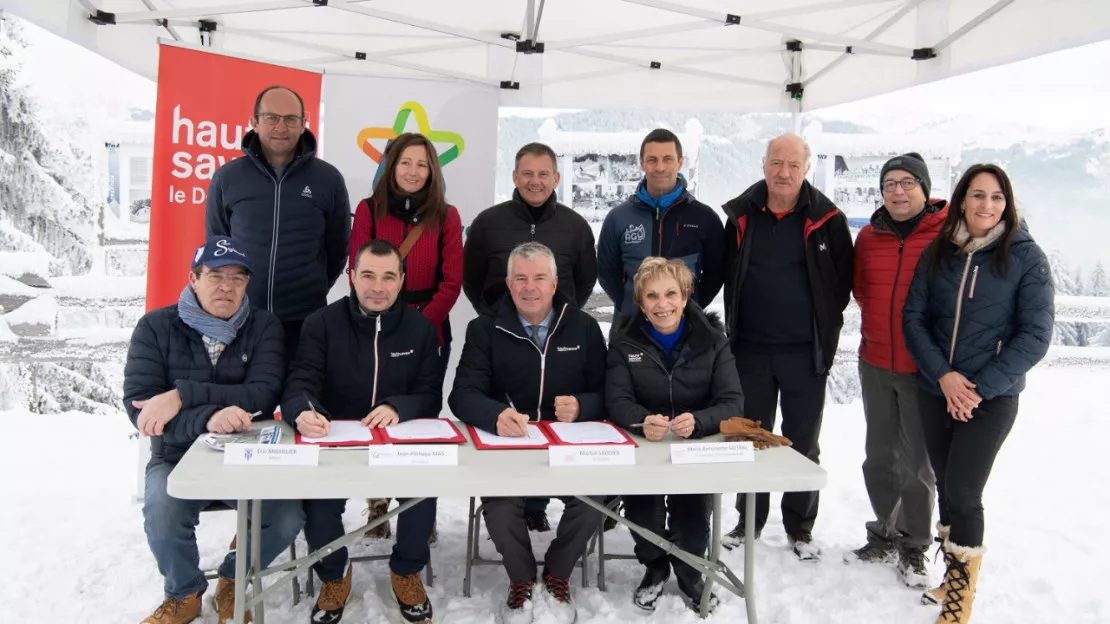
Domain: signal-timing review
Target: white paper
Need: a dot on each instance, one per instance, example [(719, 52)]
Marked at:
[(620, 455), (535, 438), (712, 453), (422, 429), (343, 431), (414, 455), (587, 433)]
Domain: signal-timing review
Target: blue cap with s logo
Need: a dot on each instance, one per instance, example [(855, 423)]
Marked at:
[(221, 251)]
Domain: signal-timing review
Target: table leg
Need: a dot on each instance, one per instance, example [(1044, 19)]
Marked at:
[(714, 554), (242, 513), (749, 556), (256, 559)]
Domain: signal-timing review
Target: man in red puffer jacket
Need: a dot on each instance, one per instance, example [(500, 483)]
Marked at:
[(896, 471)]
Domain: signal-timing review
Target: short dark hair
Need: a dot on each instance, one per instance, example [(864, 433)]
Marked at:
[(258, 100), (380, 248), (537, 149), (661, 135)]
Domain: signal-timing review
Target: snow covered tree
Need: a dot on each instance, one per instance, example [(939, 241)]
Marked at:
[(47, 183), (1066, 281), (1100, 286)]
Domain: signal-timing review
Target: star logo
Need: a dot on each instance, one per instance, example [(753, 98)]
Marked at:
[(413, 109)]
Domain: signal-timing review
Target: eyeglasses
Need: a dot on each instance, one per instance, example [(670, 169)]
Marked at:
[(238, 280), (907, 184), (272, 119)]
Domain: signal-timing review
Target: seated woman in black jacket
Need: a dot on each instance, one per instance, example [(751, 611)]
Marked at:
[(670, 369)]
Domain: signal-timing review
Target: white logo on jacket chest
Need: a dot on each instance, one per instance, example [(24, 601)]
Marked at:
[(822, 247), (635, 234), (635, 358), (307, 192), (401, 353), (562, 349)]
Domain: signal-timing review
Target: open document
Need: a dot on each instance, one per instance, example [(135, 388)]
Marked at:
[(344, 431), (535, 438), (423, 429), (587, 433)]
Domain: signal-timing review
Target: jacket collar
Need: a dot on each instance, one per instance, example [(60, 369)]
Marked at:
[(546, 210), (700, 328), (306, 149), (509, 319), (811, 202), (882, 221), (391, 318)]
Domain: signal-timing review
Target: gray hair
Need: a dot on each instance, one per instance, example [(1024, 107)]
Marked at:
[(530, 251), (805, 145)]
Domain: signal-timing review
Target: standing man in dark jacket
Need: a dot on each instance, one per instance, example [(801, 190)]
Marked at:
[(790, 268), (896, 466), (288, 208), (336, 376), (661, 219), (532, 215), (205, 364), (538, 358)]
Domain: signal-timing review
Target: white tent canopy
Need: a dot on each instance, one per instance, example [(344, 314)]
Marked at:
[(737, 55)]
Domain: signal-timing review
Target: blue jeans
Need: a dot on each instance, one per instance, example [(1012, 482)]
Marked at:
[(170, 524)]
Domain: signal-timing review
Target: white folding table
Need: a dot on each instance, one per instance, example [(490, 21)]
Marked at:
[(345, 473)]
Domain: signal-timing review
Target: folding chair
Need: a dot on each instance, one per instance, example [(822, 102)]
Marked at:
[(599, 542), (473, 539)]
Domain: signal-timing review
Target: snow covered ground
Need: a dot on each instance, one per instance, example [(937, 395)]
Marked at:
[(76, 547)]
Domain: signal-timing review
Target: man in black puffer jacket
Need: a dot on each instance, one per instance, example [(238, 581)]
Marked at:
[(539, 358), (288, 208), (367, 357), (532, 215), (205, 364), (677, 376)]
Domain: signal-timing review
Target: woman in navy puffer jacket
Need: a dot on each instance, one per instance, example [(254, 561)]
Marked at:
[(979, 315)]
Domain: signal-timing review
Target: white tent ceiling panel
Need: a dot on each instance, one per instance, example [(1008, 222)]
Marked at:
[(598, 53)]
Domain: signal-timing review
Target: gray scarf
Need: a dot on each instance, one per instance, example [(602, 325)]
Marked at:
[(207, 325)]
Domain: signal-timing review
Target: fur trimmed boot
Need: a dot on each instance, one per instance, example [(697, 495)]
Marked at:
[(376, 508), (962, 576), (935, 596)]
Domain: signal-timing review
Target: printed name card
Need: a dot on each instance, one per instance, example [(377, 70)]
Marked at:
[(271, 455), (592, 455), (414, 455), (712, 453)]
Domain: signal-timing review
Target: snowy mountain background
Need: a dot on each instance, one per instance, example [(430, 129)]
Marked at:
[(72, 273)]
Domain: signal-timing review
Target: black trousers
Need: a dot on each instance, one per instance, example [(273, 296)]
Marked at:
[(324, 523), (962, 454), (505, 521), (680, 518), (768, 378)]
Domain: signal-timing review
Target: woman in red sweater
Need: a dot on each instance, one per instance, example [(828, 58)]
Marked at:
[(408, 208)]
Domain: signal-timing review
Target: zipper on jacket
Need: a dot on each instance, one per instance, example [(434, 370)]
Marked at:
[(974, 276), (274, 246), (377, 361), (660, 236), (543, 354), (533, 226), (893, 295), (959, 308), (998, 348)]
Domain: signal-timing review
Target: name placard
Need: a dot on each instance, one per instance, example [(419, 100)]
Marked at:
[(414, 455), (271, 455), (592, 455), (712, 453)]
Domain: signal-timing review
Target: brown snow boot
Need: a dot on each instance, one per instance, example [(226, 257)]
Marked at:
[(963, 576), (225, 601), (176, 610), (376, 508)]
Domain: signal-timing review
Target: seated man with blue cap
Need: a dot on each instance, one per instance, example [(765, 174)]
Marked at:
[(204, 364)]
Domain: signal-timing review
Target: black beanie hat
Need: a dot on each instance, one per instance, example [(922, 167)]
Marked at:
[(911, 163)]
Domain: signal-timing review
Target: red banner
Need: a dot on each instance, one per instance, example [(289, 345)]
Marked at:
[(205, 102)]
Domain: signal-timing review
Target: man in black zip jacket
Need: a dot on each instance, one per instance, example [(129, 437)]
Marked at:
[(336, 376), (538, 358), (288, 208), (790, 278), (532, 215), (204, 364)]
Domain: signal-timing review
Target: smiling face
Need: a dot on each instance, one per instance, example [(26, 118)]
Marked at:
[(662, 303), (903, 205), (532, 286), (535, 178), (984, 204), (378, 281), (412, 170), (275, 125), (661, 164)]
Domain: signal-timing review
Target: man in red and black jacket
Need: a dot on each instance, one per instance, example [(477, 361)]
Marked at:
[(896, 471), (789, 258)]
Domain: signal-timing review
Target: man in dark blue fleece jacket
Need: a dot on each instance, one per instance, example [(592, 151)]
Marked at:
[(288, 209)]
